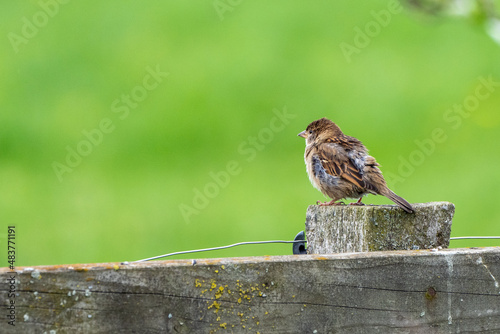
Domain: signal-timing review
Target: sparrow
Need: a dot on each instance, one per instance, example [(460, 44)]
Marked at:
[(339, 166)]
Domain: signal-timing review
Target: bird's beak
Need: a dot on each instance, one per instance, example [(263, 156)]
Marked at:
[(302, 134)]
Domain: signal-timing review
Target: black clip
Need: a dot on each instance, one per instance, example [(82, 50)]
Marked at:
[(299, 248)]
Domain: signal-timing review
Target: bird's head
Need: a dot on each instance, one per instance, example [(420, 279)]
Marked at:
[(319, 131)]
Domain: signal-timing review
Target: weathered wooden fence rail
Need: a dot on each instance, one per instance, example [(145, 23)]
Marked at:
[(399, 290), (421, 291)]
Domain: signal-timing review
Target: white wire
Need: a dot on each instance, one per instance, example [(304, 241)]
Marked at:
[(261, 242), (461, 238), (221, 247)]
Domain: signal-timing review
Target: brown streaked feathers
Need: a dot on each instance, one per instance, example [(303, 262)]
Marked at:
[(340, 167)]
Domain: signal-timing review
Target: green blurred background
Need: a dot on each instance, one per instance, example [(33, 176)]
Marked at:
[(231, 65)]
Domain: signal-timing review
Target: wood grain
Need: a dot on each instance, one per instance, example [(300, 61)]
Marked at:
[(344, 229), (447, 291)]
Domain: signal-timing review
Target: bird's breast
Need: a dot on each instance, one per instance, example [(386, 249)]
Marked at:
[(318, 176)]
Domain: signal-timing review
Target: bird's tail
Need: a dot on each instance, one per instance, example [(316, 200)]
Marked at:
[(399, 201)]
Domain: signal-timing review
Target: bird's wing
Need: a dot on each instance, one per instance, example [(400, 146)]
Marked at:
[(339, 164)]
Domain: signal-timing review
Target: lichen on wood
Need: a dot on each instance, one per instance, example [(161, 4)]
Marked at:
[(346, 228), (445, 291)]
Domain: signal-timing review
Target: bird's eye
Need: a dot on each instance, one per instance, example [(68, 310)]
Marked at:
[(310, 132)]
